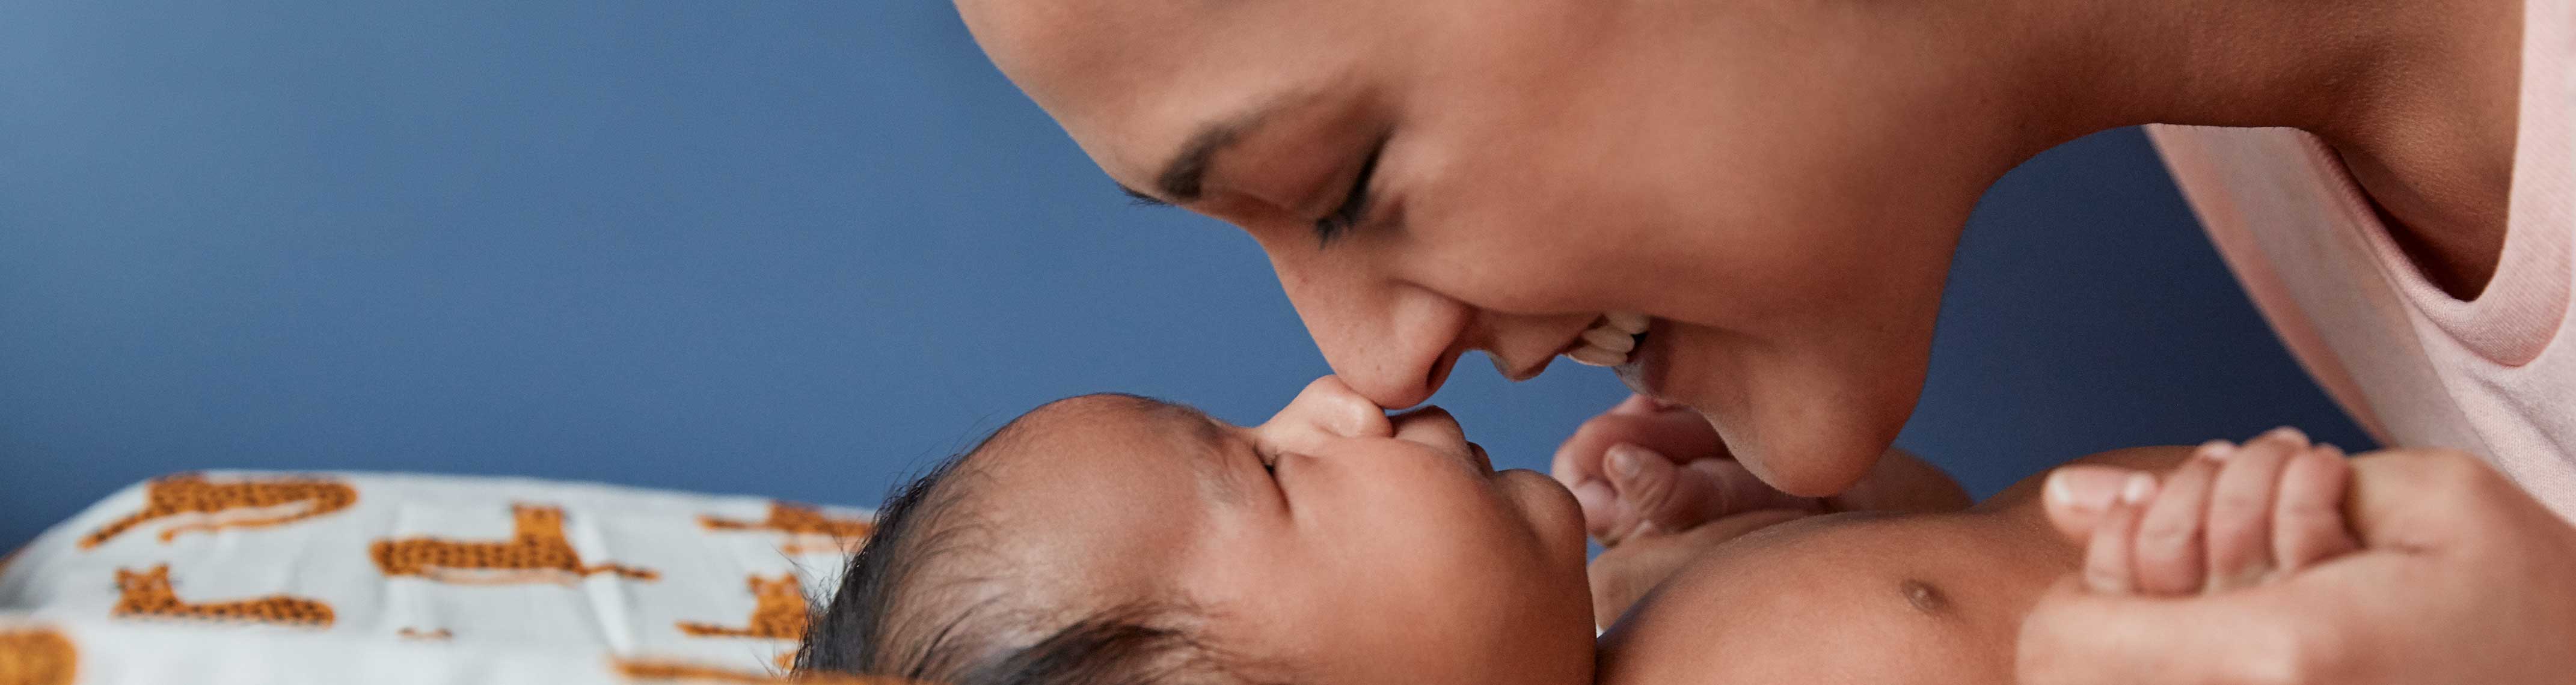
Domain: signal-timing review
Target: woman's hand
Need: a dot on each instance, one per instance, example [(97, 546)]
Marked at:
[(1643, 468), (2462, 578)]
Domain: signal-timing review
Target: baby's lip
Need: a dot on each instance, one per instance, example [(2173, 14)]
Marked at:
[(1483, 460)]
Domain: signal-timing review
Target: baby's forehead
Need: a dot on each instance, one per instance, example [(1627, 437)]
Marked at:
[(1087, 428), (1087, 498)]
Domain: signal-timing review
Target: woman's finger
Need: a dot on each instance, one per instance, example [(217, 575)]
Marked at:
[(2168, 554), (2108, 567), (2240, 511), (2077, 497), (2308, 524)]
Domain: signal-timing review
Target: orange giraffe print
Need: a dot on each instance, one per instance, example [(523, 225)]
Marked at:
[(37, 657), (148, 594), (537, 552), (778, 612), (203, 505), (808, 529)]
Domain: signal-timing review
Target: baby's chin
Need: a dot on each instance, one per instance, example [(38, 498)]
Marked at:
[(1550, 510)]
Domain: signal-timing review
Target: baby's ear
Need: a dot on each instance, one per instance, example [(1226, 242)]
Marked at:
[(2076, 496)]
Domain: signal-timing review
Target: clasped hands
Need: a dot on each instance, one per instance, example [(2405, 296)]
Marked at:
[(2459, 576)]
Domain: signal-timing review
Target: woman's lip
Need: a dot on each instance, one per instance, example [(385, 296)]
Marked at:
[(1644, 372), (1483, 460)]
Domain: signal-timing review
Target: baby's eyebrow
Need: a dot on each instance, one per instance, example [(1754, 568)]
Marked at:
[(1207, 440)]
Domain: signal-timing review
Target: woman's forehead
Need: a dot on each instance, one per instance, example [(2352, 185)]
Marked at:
[(1134, 80)]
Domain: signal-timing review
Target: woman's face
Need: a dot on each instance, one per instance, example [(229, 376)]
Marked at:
[(1779, 185)]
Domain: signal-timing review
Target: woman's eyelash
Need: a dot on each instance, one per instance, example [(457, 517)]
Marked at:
[(1354, 207)]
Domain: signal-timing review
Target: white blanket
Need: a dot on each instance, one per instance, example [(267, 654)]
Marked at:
[(345, 577)]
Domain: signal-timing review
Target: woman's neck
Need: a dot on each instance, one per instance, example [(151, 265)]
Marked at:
[(2417, 96)]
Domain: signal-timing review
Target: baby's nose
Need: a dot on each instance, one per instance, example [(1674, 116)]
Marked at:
[(1329, 406)]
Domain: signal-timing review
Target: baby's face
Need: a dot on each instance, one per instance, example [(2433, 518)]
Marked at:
[(1331, 544)]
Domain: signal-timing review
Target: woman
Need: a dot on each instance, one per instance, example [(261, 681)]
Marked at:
[(1749, 208)]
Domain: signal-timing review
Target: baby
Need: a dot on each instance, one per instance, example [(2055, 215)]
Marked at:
[(1110, 538)]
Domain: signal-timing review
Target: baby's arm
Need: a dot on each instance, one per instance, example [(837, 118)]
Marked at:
[(2230, 517)]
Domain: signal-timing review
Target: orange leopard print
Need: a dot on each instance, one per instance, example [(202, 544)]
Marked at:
[(37, 657), (148, 594), (778, 611), (537, 552), (808, 529), (208, 505)]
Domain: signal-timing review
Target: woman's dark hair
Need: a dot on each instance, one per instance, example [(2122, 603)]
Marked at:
[(898, 614)]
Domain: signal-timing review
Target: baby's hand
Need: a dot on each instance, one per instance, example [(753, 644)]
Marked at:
[(2231, 517)]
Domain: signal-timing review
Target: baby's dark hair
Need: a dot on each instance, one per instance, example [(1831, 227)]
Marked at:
[(906, 609)]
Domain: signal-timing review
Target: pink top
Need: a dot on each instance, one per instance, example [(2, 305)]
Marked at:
[(2415, 366)]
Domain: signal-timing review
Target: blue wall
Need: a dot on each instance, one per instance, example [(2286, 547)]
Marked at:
[(797, 249)]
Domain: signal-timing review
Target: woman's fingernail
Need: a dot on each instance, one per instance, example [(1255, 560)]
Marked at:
[(1625, 459), (2287, 433), (2085, 488), (2215, 450), (2138, 488)]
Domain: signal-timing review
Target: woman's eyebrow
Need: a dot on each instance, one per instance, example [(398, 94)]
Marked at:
[(1185, 176)]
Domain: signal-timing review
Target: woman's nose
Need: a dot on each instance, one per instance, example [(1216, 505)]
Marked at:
[(1394, 344)]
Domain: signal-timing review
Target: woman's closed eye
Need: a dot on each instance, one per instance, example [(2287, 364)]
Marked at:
[(1355, 204)]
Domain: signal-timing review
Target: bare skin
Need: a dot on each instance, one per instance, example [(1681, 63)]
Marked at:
[(1780, 187), (1335, 543), (1886, 597), (1331, 544)]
